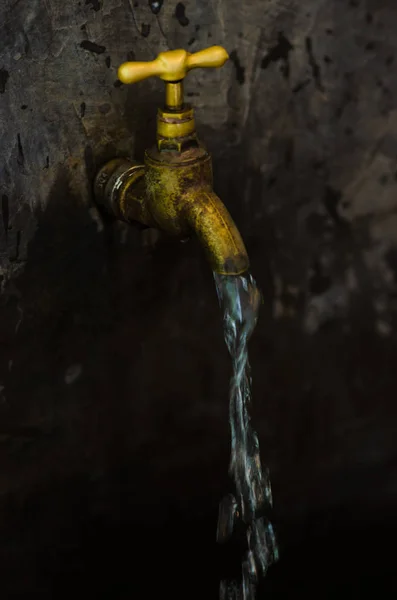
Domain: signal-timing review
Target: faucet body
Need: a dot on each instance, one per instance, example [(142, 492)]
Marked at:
[(173, 189)]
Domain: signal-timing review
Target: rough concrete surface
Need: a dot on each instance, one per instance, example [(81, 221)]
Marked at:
[(113, 374)]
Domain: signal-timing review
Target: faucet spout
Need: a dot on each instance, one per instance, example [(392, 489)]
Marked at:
[(173, 193), (208, 217)]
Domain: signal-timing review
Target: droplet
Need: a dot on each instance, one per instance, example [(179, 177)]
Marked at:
[(155, 6)]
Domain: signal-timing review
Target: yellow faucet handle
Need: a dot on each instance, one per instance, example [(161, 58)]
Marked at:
[(172, 65)]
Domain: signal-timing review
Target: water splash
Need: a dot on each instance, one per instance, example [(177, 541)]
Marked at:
[(246, 509)]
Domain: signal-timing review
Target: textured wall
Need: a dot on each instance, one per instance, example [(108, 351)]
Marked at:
[(113, 372)]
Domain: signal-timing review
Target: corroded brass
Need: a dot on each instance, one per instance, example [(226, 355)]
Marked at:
[(173, 190), (119, 189), (175, 124), (181, 200)]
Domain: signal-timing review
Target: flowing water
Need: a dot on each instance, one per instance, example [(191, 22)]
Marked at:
[(244, 512)]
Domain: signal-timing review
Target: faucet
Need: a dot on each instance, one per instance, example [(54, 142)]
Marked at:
[(173, 189)]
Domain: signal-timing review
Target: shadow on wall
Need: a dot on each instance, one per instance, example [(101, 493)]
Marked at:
[(70, 299), (89, 296), (102, 388)]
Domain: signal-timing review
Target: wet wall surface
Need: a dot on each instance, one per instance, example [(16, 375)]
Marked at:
[(114, 440)]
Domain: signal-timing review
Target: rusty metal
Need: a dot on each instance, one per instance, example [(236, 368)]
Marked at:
[(173, 190), (119, 189), (173, 125)]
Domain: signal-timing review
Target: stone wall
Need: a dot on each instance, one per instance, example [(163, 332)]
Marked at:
[(113, 371)]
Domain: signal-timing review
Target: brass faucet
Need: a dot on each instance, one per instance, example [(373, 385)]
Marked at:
[(173, 191)]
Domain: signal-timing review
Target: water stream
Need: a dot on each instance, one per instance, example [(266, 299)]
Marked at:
[(244, 512)]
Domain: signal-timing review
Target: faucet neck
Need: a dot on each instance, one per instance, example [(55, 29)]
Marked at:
[(176, 128), (174, 95)]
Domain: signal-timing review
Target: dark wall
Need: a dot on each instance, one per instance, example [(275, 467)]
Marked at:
[(113, 372)]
